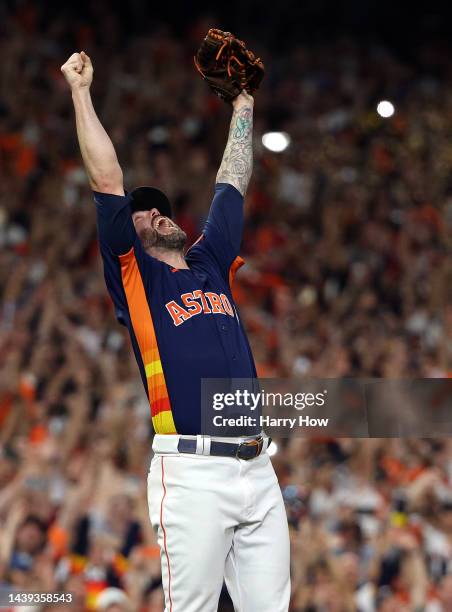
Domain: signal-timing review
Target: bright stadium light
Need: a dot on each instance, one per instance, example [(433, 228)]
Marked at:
[(385, 109), (276, 141), (272, 449)]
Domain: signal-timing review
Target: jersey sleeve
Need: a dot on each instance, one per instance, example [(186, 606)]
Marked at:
[(117, 236), (222, 235), (114, 222)]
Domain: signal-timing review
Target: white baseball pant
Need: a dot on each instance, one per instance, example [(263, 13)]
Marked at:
[(219, 517)]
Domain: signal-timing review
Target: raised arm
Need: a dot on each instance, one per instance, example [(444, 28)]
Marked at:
[(237, 163), (98, 153)]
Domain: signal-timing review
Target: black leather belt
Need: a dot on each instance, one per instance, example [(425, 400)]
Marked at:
[(245, 450)]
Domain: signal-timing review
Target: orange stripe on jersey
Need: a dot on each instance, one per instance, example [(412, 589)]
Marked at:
[(159, 381), (152, 354), (143, 326), (160, 394), (235, 265)]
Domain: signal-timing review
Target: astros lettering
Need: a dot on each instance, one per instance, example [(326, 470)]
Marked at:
[(197, 302)]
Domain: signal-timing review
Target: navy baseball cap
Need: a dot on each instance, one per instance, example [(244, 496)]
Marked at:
[(147, 198)]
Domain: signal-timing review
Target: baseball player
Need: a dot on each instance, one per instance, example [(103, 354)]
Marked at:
[(215, 502)]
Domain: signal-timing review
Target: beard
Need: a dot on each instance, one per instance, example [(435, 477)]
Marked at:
[(175, 241)]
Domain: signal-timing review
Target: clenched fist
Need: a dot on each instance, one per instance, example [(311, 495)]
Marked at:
[(78, 70)]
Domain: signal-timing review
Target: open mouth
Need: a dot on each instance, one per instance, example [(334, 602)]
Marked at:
[(163, 225)]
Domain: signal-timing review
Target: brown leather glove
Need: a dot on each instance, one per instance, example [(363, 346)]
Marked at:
[(226, 64)]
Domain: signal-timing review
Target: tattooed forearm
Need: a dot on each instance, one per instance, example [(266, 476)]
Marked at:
[(237, 163)]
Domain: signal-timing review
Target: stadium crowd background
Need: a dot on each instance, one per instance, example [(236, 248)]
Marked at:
[(348, 273)]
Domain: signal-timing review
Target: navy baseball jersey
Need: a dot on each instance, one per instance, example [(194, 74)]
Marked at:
[(183, 324)]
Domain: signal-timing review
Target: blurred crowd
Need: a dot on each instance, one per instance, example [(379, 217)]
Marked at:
[(348, 274)]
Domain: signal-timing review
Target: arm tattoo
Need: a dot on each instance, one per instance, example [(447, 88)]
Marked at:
[(237, 163)]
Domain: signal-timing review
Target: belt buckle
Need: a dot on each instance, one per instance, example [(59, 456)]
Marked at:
[(257, 442)]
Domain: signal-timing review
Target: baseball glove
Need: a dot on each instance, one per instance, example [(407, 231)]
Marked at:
[(227, 65)]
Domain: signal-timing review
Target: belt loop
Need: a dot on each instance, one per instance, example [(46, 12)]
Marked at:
[(199, 445), (207, 441)]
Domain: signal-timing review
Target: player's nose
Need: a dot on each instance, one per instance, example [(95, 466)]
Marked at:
[(154, 212)]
